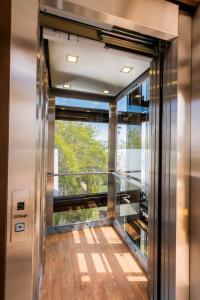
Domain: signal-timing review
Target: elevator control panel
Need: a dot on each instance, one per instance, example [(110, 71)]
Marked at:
[(20, 216)]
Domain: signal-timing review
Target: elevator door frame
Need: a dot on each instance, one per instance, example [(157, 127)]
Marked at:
[(160, 76)]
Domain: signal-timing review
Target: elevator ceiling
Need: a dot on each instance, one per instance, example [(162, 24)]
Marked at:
[(98, 69)]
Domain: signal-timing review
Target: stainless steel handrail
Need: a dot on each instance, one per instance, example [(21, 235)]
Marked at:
[(128, 179), (77, 174)]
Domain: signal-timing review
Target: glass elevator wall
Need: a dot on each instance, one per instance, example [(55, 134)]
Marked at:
[(80, 161), (132, 180)]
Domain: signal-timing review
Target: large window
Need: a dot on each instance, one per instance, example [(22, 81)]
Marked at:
[(80, 157), (133, 134)]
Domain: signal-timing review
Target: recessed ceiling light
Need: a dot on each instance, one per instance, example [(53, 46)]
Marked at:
[(72, 58), (126, 69), (106, 92), (67, 86)]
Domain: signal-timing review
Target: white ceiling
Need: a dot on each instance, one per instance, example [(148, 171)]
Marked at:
[(98, 69)]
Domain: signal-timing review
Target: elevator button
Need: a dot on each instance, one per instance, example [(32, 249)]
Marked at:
[(20, 205), (19, 227)]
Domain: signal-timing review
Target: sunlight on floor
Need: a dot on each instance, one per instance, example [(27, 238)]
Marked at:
[(85, 278), (111, 236), (82, 263), (136, 278), (92, 263), (108, 267), (76, 236), (98, 263)]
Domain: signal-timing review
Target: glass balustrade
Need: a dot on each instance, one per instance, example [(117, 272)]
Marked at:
[(132, 211)]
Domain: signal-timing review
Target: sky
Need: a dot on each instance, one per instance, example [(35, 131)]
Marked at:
[(82, 103)]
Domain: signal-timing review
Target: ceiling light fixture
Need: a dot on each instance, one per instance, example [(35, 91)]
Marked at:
[(72, 58), (126, 69), (67, 86), (106, 92)]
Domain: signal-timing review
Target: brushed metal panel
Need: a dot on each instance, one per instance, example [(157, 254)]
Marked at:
[(183, 157), (195, 162), (22, 146), (41, 166), (112, 159), (142, 16), (169, 151), (176, 165), (154, 113), (50, 168)]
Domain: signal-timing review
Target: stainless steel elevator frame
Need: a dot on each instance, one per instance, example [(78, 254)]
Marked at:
[(174, 225), (23, 262)]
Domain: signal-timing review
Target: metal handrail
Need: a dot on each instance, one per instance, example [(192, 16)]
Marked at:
[(128, 179), (77, 174)]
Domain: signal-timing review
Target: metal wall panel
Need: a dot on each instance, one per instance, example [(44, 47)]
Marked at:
[(142, 16), (112, 158), (176, 165), (195, 162), (168, 206), (50, 168), (183, 157), (153, 254), (41, 167), (22, 143)]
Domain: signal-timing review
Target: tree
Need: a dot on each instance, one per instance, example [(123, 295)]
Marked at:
[(79, 151), (134, 139)]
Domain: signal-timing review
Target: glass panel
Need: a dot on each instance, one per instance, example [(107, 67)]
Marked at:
[(81, 147), (83, 184), (132, 212), (80, 198), (133, 134), (133, 150), (82, 103)]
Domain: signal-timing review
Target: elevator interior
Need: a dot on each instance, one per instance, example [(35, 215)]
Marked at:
[(126, 195), (25, 120), (99, 135)]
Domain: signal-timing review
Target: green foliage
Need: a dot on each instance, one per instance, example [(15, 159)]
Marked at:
[(134, 139), (80, 215), (80, 151)]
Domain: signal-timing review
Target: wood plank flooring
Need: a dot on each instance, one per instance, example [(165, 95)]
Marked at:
[(91, 264)]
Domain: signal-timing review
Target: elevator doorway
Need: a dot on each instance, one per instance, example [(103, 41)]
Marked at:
[(103, 91)]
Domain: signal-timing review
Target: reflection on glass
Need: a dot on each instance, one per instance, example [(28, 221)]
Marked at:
[(133, 164), (132, 212)]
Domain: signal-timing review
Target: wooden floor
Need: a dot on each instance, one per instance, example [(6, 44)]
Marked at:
[(91, 264)]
